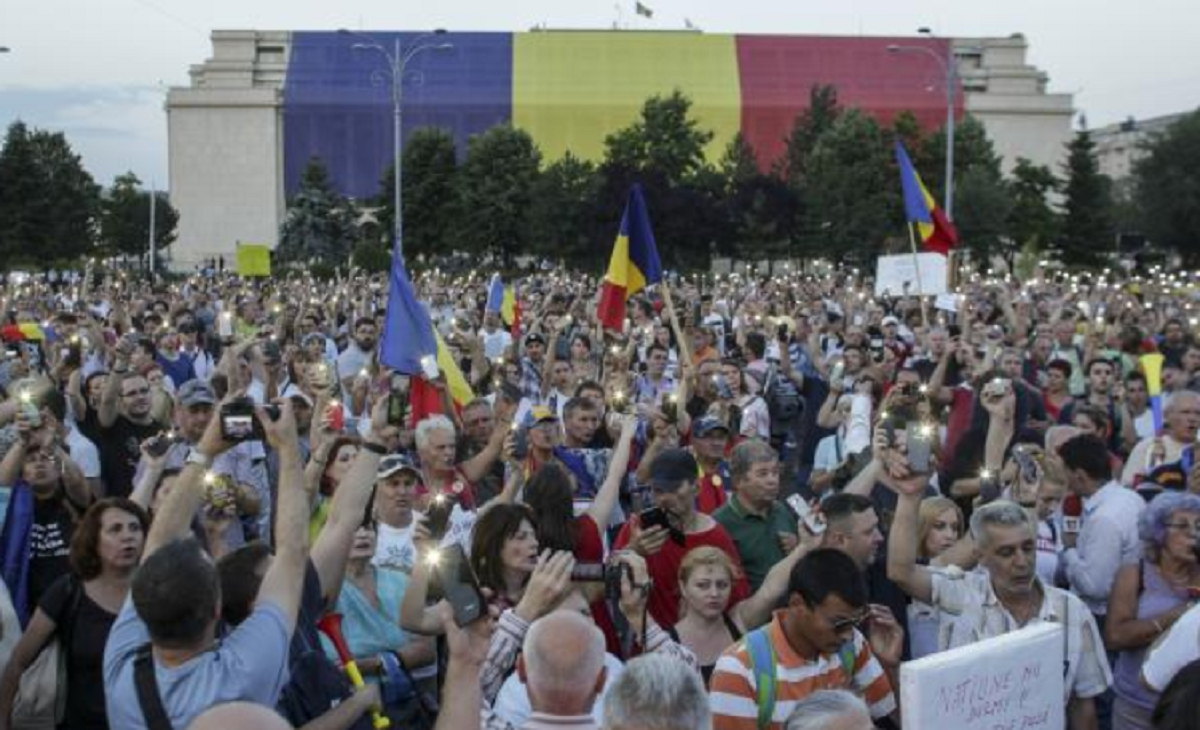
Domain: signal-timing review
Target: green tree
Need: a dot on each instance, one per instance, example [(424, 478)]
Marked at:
[(1167, 188), (807, 129), (1032, 222), (1087, 231), (982, 198), (320, 225), (850, 187), (125, 218), (49, 204), (563, 210), (762, 209), (665, 139), (664, 151), (982, 204), (429, 178), (496, 191)]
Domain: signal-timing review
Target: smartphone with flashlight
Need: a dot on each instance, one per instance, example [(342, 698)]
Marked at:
[(919, 438), (437, 516), (459, 585)]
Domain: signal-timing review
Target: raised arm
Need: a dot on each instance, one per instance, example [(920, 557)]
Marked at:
[(476, 468), (284, 580), (110, 397), (606, 498), (902, 565), (756, 610), (332, 548)]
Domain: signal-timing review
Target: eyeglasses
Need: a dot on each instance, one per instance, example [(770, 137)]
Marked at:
[(1192, 527), (851, 622)]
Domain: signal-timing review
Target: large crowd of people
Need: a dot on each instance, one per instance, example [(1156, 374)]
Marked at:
[(745, 510)]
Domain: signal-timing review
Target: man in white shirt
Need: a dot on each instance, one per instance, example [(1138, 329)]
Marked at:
[(496, 341), (1181, 421), (1109, 537)]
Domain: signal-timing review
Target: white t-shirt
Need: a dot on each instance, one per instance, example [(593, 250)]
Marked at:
[(394, 548), (495, 344), (1173, 651), (84, 453)]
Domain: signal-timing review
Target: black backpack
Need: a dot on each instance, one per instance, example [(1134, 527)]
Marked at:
[(784, 402)]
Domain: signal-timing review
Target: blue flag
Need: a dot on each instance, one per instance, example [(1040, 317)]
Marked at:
[(407, 329)]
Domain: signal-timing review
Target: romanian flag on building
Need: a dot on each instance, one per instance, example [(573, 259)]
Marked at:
[(410, 346), (936, 231), (634, 263)]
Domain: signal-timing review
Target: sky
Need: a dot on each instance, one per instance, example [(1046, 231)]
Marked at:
[(98, 70)]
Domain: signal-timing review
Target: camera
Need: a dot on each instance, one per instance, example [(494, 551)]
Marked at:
[(160, 444), (239, 423)]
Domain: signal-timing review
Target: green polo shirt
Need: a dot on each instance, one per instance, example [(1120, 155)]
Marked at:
[(756, 537)]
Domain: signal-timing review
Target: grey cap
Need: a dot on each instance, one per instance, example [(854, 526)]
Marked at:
[(195, 392)]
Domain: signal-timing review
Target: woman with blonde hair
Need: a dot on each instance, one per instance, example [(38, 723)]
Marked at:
[(706, 578), (940, 526)]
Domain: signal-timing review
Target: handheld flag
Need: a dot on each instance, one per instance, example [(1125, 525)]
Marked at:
[(634, 263), (1152, 367), (408, 338), (936, 231), (643, 10), (501, 300)]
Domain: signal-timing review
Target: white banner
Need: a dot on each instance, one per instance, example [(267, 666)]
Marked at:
[(896, 276), (1011, 681)]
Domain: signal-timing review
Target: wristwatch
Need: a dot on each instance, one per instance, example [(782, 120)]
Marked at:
[(196, 457)]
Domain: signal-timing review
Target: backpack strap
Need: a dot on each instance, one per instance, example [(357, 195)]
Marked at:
[(762, 666), (848, 658), (147, 691)]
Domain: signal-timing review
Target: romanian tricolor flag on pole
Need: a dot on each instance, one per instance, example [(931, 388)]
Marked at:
[(634, 264), (935, 230)]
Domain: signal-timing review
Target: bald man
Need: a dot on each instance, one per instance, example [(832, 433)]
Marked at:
[(1181, 420), (562, 666), (239, 716)]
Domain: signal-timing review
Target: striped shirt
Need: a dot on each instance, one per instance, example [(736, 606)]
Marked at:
[(734, 691)]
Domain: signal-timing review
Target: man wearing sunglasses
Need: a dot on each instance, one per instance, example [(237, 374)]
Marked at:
[(813, 643)]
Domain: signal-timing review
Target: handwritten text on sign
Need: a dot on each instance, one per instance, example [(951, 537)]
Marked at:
[(1007, 683)]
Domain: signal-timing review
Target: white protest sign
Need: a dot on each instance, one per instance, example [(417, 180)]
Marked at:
[(1010, 682), (896, 276), (946, 302)]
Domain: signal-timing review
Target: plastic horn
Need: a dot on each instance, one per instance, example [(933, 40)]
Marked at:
[(331, 625)]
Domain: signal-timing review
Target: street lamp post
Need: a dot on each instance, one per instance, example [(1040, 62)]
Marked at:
[(950, 71), (397, 64)]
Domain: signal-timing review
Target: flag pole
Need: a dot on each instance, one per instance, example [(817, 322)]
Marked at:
[(912, 240)]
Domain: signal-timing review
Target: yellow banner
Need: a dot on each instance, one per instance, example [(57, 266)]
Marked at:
[(253, 259)]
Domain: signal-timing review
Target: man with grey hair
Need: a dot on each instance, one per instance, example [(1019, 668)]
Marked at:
[(1006, 596), (762, 528), (437, 445), (656, 692), (830, 709)]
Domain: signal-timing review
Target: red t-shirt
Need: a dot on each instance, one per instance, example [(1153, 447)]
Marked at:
[(664, 569), (458, 487), (710, 495)]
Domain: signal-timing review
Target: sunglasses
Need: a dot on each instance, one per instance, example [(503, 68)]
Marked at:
[(851, 622)]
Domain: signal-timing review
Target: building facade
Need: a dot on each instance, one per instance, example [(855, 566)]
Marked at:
[(1119, 146), (268, 102)]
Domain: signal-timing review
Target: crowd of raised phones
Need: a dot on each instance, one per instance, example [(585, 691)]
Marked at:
[(743, 511)]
